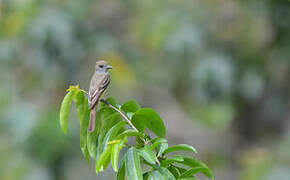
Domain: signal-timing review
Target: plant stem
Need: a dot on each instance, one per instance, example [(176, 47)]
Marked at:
[(122, 114)]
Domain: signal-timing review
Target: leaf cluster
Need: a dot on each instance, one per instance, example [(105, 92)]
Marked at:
[(147, 158)]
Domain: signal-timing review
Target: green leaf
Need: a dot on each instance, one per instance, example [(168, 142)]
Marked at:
[(129, 132), (85, 153), (73, 88), (64, 110), (108, 120), (147, 154), (110, 100), (193, 171), (166, 173), (83, 114), (156, 142), (145, 176), (147, 117), (162, 148), (121, 170), (115, 156), (129, 115), (112, 134), (173, 159), (180, 147), (105, 165), (92, 138), (115, 153), (180, 169), (174, 171), (103, 159), (92, 143), (114, 142), (132, 164), (189, 178), (106, 111), (82, 107), (160, 174), (130, 106), (154, 175), (197, 167), (107, 124)]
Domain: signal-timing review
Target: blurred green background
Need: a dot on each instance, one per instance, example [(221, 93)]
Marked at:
[(218, 72)]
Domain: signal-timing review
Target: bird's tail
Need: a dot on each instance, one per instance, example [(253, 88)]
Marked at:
[(91, 127)]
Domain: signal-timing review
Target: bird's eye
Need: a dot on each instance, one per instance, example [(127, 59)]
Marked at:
[(101, 66)]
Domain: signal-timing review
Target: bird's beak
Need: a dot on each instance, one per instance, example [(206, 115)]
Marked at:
[(109, 67)]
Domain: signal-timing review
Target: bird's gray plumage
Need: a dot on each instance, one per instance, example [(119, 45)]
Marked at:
[(99, 82)]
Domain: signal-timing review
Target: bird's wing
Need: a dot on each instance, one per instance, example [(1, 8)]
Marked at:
[(97, 87)]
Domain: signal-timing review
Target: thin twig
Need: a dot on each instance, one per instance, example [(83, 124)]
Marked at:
[(122, 114)]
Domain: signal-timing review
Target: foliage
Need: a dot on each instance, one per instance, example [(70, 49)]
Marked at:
[(115, 123)]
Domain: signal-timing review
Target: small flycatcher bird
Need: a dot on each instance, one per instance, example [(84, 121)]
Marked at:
[(99, 82)]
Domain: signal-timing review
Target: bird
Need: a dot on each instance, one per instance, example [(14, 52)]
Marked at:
[(99, 83)]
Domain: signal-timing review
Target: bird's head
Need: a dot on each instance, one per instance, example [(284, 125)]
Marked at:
[(102, 66)]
